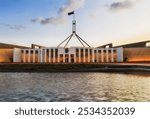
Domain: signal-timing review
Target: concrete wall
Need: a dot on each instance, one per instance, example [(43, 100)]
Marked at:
[(17, 55), (120, 55), (6, 55), (81, 55), (129, 55), (137, 54)]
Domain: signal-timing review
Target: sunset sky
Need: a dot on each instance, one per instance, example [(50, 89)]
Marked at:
[(45, 22)]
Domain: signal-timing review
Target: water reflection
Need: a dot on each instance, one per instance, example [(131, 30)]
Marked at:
[(74, 87)]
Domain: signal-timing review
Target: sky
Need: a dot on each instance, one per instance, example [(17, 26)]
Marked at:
[(99, 22)]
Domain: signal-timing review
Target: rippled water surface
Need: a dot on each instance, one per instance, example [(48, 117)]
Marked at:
[(74, 87)]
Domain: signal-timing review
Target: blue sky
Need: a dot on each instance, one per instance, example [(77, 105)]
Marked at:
[(99, 22)]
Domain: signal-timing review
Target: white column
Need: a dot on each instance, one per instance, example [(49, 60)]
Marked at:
[(54, 55), (79, 55), (58, 58), (93, 55), (88, 55), (75, 56), (24, 56), (63, 57), (29, 55), (107, 56), (69, 58), (102, 55), (45, 54), (49, 55), (33, 55), (112, 55), (84, 55), (41, 55), (97, 56)]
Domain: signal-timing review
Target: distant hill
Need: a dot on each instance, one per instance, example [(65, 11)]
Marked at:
[(4, 45)]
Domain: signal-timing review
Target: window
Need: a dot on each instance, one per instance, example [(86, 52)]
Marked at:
[(90, 51), (77, 50), (148, 44), (86, 50), (66, 50), (107, 46)]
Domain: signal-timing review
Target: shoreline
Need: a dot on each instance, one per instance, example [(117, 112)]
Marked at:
[(100, 67)]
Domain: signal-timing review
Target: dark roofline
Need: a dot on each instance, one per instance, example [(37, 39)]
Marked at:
[(134, 45), (11, 46), (104, 46), (141, 44)]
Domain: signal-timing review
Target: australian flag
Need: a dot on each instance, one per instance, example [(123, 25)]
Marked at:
[(70, 13)]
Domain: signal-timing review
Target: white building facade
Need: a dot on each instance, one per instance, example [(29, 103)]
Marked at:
[(68, 55)]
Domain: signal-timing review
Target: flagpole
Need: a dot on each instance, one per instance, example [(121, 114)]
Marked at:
[(73, 33), (74, 16), (73, 24)]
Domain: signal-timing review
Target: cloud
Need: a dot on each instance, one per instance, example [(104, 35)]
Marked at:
[(50, 20), (16, 27), (35, 20), (123, 5), (13, 27), (71, 5)]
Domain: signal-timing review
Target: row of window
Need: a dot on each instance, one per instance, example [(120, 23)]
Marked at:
[(67, 51)]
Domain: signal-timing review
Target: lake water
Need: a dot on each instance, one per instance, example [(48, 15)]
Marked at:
[(74, 87)]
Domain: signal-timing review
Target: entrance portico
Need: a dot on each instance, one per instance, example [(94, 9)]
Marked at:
[(69, 55)]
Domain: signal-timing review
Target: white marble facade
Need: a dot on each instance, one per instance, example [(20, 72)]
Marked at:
[(68, 55)]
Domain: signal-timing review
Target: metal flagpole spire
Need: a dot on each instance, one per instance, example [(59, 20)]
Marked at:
[(67, 40), (74, 16)]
